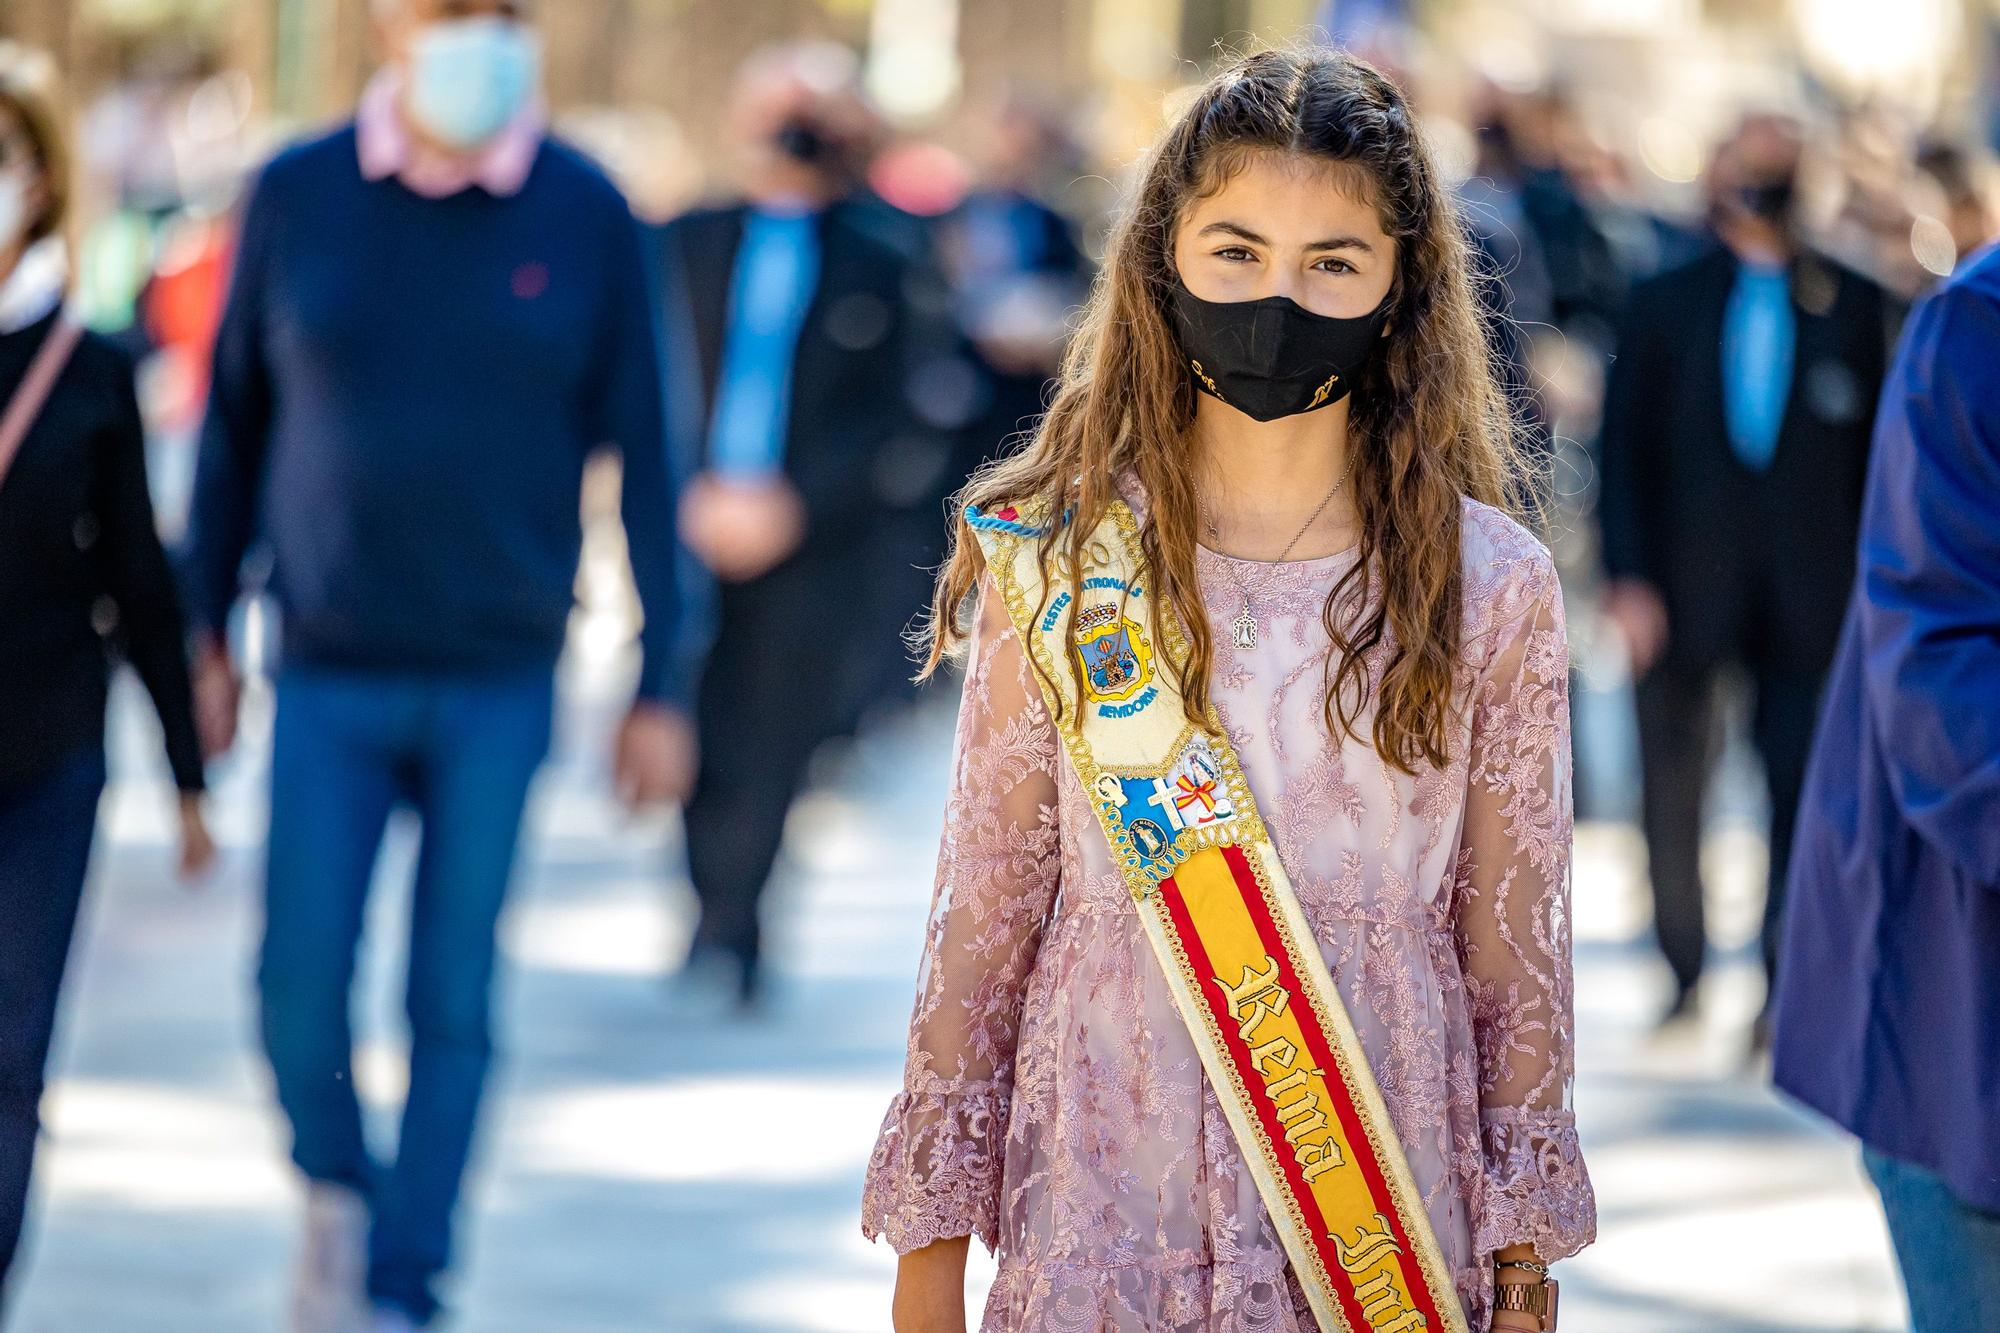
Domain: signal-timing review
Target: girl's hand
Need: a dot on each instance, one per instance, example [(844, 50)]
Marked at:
[(197, 847), (930, 1288)]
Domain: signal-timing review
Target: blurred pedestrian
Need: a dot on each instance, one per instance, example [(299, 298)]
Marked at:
[(1888, 1011), (1174, 735), (1013, 275), (1017, 268), (1586, 281), (1495, 198), (1735, 441), (438, 314), (83, 580), (790, 311), (1513, 278), (909, 190)]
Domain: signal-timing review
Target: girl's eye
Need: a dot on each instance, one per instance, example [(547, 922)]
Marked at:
[(1235, 254), (1332, 265)]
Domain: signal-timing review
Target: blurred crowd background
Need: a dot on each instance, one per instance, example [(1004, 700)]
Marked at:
[(178, 101), (1583, 130), (984, 145)]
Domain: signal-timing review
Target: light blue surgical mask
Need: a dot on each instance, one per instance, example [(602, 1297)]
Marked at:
[(469, 77)]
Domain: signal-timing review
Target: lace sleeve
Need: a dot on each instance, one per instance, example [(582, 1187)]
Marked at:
[(1513, 931), (935, 1171)]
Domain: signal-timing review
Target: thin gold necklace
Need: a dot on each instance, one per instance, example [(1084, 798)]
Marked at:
[(1244, 628)]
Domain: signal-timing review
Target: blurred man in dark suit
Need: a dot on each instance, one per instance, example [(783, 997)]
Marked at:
[(1735, 444), (786, 314)]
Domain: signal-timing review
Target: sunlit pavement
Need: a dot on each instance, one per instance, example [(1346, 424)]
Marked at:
[(646, 1169)]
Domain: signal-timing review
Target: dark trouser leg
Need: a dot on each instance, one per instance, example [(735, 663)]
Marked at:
[(763, 709), (336, 754), (1948, 1250), (1674, 718), (45, 835), (1787, 711), (735, 819), (481, 745), (735, 829)]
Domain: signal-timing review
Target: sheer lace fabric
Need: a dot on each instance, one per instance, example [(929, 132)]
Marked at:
[(1053, 1104)]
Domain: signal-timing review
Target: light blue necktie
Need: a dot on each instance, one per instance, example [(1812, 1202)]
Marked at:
[(1759, 332), (777, 270)]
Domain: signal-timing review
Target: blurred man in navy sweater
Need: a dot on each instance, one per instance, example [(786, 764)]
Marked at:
[(438, 315), (1888, 1014)]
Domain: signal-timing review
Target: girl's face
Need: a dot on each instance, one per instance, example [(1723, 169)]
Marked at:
[(1284, 224)]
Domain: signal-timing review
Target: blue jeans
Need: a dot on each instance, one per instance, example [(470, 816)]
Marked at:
[(348, 748), (1949, 1251), (45, 833)]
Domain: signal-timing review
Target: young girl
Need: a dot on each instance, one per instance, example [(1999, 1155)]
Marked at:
[(1282, 396)]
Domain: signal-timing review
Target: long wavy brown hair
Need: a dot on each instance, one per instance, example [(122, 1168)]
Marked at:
[(1428, 423)]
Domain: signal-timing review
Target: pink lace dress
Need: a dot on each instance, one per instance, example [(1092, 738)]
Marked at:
[(1053, 1104)]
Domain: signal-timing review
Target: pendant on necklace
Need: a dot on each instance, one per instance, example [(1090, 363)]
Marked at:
[(1245, 626)]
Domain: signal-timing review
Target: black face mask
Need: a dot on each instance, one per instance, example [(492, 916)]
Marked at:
[(802, 141), (1770, 199), (1273, 358)]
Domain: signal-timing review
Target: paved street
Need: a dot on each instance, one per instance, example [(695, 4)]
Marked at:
[(647, 1170)]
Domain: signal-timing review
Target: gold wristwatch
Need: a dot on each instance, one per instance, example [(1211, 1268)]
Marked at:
[(1535, 1298)]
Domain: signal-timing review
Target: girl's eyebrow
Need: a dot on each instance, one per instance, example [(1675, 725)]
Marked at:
[(1243, 233), (1236, 229)]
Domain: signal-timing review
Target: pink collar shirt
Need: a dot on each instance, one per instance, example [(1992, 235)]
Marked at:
[(388, 148)]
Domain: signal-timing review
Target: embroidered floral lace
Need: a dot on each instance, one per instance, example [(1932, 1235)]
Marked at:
[(1053, 1104)]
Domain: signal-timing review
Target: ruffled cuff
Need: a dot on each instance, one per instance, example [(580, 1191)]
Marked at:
[(1535, 1188), (935, 1171)]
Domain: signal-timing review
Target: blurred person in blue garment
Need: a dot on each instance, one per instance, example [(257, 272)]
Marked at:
[(1734, 443), (1017, 268), (787, 318), (1888, 1009), (1586, 281), (438, 315)]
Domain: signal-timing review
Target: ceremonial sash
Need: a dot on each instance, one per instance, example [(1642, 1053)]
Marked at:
[(1239, 957)]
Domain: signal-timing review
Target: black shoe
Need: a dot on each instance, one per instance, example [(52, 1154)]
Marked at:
[(1757, 1051), (752, 987), (704, 982), (1685, 1009)]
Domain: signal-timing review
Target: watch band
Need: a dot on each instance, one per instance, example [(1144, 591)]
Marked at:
[(1535, 1298)]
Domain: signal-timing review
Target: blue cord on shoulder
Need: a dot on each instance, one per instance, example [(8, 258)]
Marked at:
[(1006, 519)]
